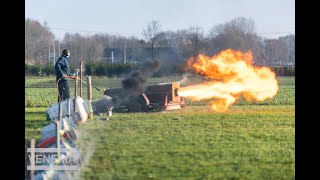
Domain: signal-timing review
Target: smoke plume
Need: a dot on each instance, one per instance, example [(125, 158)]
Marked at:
[(135, 83)]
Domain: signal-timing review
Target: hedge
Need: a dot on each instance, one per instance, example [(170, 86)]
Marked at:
[(284, 70)]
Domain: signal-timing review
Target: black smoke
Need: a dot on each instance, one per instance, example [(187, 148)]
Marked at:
[(134, 84)]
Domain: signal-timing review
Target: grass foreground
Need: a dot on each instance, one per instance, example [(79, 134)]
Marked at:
[(250, 141)]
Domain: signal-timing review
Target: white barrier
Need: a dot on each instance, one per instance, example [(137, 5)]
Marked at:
[(81, 114)]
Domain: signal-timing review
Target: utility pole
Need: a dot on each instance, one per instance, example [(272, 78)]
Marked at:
[(59, 48), (49, 52), (111, 57), (125, 53), (54, 53)]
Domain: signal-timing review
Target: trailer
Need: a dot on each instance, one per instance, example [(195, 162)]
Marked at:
[(159, 97)]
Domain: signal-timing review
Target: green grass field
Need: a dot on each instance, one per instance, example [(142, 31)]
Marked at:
[(253, 140)]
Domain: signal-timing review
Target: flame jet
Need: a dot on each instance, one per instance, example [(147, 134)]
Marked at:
[(231, 74)]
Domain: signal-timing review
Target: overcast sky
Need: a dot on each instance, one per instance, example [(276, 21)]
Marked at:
[(273, 18)]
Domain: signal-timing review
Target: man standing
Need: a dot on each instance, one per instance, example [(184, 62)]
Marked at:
[(62, 70)]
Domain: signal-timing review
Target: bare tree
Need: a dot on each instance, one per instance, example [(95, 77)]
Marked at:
[(167, 39), (238, 34), (195, 38), (94, 49), (179, 41), (276, 51), (37, 39), (152, 34), (83, 48), (289, 40)]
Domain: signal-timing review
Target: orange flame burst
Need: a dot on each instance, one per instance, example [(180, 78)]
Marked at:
[(231, 74)]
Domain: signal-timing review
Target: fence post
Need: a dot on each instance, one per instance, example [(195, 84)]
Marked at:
[(89, 88), (69, 114), (58, 123), (32, 144), (81, 78), (75, 91), (89, 97)]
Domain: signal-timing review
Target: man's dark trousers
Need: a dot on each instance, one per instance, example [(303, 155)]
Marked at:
[(63, 86)]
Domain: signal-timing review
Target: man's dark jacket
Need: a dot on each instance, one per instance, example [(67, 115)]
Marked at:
[(62, 67)]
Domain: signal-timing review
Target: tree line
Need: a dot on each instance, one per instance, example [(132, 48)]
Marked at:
[(41, 47)]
